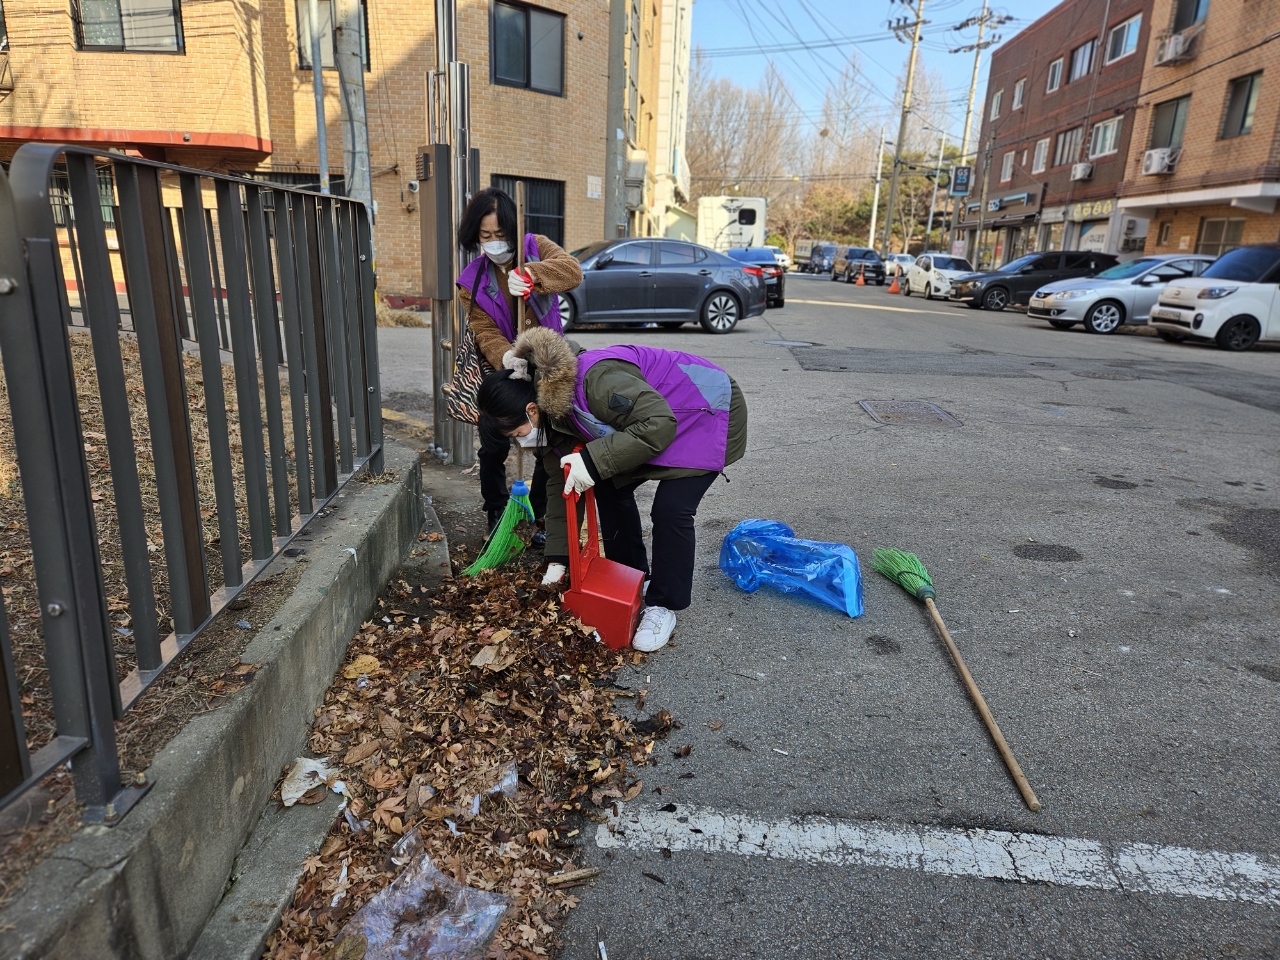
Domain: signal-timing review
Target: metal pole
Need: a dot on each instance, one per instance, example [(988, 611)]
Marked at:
[(349, 31), (317, 86), (464, 434), (937, 174), (973, 82), (902, 128), (875, 199), (982, 203)]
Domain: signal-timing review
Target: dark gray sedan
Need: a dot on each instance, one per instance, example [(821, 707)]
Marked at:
[(670, 282)]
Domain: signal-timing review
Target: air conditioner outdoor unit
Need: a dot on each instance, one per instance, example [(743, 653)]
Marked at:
[(1082, 171), (1176, 47), (1160, 160), (1130, 226)]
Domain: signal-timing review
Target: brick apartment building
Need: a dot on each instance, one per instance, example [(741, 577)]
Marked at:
[(1206, 165), (226, 85), (1055, 138)]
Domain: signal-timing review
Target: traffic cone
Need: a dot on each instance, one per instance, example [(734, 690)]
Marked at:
[(893, 287), (860, 282)]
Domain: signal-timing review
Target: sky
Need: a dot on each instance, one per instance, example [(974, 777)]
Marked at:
[(732, 34)]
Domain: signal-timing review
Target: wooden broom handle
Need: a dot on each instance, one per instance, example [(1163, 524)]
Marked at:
[(519, 252), (992, 727)]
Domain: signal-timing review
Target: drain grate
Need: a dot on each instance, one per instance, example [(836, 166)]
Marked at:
[(908, 413)]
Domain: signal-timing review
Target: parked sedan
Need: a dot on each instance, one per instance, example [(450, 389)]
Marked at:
[(1121, 294), (780, 255), (762, 259), (854, 260), (640, 280), (898, 263), (1018, 279), (932, 274)]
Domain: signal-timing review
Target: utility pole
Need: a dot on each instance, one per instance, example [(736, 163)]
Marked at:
[(348, 29), (899, 27), (317, 87), (875, 201), (937, 175), (976, 259), (981, 22)]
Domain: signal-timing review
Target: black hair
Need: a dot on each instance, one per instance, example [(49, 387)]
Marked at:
[(504, 400), (487, 201)]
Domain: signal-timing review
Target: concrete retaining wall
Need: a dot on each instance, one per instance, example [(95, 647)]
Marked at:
[(144, 888)]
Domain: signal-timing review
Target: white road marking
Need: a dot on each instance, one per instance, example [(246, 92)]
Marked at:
[(859, 306), (989, 854)]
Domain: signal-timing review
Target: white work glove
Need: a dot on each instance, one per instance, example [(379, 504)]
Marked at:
[(519, 283), (555, 573), (579, 478), (518, 366)]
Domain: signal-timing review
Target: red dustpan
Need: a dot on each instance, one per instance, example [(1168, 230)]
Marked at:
[(604, 594)]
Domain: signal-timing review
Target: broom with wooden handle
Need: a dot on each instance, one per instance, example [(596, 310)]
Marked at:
[(906, 570)]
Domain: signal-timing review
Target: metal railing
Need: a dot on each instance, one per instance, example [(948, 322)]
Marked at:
[(277, 282)]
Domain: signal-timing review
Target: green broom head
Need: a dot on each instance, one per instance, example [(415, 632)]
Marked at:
[(504, 543), (904, 569)]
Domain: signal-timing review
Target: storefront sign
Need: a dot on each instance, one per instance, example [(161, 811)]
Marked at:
[(1092, 210), (993, 205), (1093, 237), (960, 177)]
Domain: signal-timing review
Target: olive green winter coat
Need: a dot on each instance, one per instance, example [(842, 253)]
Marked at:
[(617, 395)]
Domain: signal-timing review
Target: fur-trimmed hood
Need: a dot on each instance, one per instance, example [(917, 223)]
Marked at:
[(554, 363)]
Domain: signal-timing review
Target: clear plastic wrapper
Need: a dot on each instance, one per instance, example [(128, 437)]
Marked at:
[(767, 552), (425, 915)]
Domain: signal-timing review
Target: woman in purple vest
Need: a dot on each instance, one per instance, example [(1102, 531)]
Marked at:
[(488, 288), (616, 418)]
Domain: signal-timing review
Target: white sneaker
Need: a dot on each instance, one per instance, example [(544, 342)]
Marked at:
[(656, 625)]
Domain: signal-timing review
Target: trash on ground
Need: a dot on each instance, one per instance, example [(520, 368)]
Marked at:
[(425, 915), (303, 776), (767, 552)]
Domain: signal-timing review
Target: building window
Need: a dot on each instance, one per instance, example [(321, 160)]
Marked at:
[(527, 48), (1123, 39), (995, 104), (4, 33), (1006, 167), (141, 26), (1105, 139), (1081, 61), (64, 211), (1169, 123), (1217, 236), (1187, 13), (328, 42), (1067, 149), (1164, 233), (1242, 100), (543, 204), (1055, 76), (1041, 156), (1018, 89), (296, 181)]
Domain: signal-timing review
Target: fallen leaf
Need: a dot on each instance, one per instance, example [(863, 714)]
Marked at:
[(715, 724), (363, 664), (684, 751), (361, 752)]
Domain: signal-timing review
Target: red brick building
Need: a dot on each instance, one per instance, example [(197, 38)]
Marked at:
[(1055, 139)]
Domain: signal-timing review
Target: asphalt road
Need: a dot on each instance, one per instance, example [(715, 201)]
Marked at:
[(1103, 529)]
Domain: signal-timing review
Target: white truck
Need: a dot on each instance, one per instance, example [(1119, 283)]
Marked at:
[(725, 222)]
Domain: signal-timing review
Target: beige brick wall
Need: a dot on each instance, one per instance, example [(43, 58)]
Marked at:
[(518, 132), (1185, 223), (215, 92)]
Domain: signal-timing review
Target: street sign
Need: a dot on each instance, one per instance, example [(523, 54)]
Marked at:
[(960, 177)]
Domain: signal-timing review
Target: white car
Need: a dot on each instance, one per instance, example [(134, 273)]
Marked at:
[(781, 256), (932, 273), (1235, 302), (1121, 294), (896, 264)]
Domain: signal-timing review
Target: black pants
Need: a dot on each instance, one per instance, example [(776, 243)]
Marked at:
[(674, 507), (494, 448)]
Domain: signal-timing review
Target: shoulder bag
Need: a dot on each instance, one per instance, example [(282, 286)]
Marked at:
[(469, 368)]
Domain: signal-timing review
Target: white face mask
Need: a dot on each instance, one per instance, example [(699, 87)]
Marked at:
[(499, 251), (529, 440)]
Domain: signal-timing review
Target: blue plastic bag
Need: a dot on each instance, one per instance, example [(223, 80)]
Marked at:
[(759, 552)]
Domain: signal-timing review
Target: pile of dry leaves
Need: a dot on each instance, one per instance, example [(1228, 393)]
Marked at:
[(440, 695)]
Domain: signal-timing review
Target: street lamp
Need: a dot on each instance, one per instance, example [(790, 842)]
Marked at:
[(875, 200)]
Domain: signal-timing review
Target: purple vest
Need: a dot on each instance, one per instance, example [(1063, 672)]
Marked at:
[(697, 391), (545, 307)]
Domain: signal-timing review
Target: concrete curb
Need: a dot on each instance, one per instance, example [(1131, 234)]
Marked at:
[(145, 888)]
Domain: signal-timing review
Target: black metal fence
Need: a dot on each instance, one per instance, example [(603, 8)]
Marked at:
[(271, 291)]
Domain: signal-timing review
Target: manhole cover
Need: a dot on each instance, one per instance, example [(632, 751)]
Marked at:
[(908, 413), (1103, 375), (792, 343), (1047, 551)]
